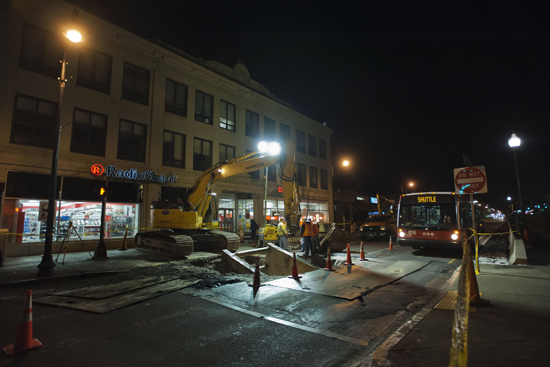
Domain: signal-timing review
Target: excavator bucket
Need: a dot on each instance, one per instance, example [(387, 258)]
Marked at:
[(335, 239)]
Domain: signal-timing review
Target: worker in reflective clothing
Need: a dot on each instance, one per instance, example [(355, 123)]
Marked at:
[(282, 232), (306, 231)]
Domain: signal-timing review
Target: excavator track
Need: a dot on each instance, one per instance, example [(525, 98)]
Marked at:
[(168, 243)]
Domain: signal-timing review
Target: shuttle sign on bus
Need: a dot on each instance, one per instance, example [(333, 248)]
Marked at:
[(470, 180)]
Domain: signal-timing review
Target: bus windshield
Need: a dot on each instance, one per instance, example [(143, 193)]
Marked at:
[(431, 215)]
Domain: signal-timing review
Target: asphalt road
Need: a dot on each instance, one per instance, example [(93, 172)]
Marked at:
[(227, 326)]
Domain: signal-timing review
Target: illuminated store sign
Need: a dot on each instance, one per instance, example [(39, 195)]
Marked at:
[(131, 174)]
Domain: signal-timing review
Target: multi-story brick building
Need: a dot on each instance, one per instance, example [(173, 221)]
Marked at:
[(131, 103)]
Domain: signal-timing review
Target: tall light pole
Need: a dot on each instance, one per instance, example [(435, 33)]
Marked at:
[(514, 142), (46, 266), (344, 163)]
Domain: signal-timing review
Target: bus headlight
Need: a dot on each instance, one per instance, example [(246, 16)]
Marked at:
[(454, 236), (401, 234)]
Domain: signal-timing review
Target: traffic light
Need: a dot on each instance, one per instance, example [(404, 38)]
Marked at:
[(103, 191)]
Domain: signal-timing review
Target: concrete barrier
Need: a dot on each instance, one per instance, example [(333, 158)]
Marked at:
[(276, 262), (518, 256)]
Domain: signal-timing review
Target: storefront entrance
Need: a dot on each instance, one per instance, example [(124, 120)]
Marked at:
[(227, 219)]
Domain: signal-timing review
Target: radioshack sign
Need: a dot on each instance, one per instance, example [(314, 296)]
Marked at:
[(131, 174)]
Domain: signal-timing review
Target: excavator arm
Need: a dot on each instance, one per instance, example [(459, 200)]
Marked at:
[(201, 193)]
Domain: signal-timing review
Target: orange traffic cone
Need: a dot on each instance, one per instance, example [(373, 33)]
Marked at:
[(391, 246), (123, 244), (256, 283), (23, 339), (526, 239), (329, 261), (348, 260), (295, 274), (362, 253)]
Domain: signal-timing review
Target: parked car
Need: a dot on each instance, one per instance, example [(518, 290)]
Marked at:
[(379, 226)]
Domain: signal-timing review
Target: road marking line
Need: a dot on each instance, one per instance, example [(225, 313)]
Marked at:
[(329, 334)]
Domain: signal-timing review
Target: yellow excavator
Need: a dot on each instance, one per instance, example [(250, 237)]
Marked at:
[(182, 224)]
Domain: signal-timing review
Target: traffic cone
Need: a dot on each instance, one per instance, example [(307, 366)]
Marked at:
[(23, 339), (362, 253), (348, 261), (391, 246), (329, 261), (256, 283), (123, 244), (526, 239), (295, 274)]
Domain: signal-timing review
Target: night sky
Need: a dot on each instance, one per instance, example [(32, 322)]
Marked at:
[(408, 86)]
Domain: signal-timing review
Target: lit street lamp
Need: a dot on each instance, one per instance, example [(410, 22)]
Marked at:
[(411, 186), (344, 163), (46, 266), (515, 142)]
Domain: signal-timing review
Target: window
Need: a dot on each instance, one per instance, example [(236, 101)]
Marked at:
[(173, 149), (135, 84), (324, 179), (175, 100), (132, 138), (204, 107), (89, 133), (33, 122), (227, 115), (41, 51), (269, 129), (301, 174), (300, 141), (226, 152), (94, 70), (202, 154), (322, 149), (284, 131), (252, 124), (313, 177), (253, 174), (272, 173), (312, 145)]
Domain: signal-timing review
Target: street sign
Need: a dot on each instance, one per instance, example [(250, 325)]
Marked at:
[(470, 180)]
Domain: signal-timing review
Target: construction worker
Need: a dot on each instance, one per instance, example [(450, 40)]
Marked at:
[(282, 232), (306, 232), (315, 238)]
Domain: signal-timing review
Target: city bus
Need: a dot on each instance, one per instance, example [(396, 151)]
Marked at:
[(432, 219)]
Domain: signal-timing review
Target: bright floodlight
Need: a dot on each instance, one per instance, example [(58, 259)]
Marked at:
[(345, 163), (509, 198), (262, 146), (73, 35), (274, 149), (514, 141)]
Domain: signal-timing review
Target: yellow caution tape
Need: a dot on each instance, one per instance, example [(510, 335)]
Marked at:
[(459, 340)]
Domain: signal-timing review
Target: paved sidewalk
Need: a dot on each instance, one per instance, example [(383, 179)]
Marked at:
[(513, 331)]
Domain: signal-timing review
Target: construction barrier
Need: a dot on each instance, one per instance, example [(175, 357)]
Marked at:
[(23, 339), (353, 228)]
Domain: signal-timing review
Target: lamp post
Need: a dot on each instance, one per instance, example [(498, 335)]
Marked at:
[(46, 266), (344, 163), (514, 142)]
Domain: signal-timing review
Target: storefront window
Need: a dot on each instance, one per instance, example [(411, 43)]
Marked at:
[(245, 214), (226, 211), (316, 210), (29, 222)]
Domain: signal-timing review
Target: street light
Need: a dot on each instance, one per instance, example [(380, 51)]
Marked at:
[(345, 163), (514, 142), (46, 266), (410, 184)]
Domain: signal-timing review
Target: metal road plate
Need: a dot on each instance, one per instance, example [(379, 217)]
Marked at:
[(119, 301), (350, 282)]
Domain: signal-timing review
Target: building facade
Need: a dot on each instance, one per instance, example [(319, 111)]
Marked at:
[(141, 117)]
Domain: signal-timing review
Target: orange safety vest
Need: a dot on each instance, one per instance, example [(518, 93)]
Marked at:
[(308, 230)]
